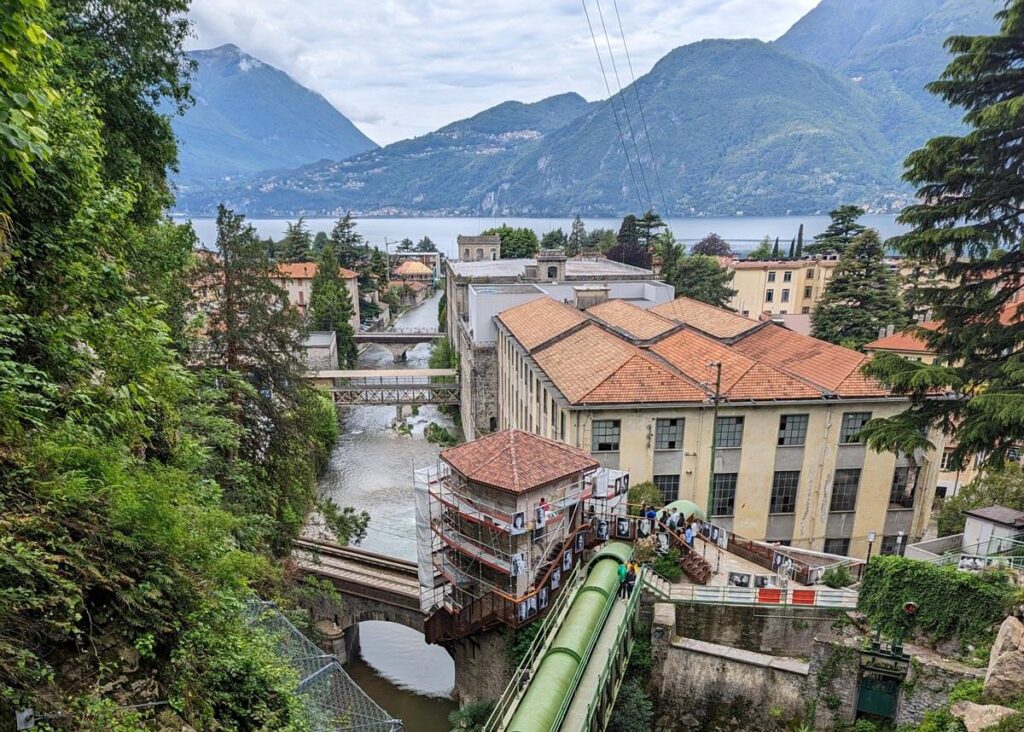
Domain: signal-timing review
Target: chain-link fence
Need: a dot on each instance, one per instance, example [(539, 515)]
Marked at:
[(332, 699)]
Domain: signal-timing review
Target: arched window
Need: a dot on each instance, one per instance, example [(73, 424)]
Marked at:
[(552, 272), (465, 254), (479, 253)]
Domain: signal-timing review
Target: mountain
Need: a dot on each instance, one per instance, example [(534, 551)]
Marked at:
[(452, 170), (823, 116), (892, 49), (250, 117)]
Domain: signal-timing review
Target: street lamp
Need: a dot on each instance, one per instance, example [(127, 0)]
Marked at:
[(871, 540), (899, 543)]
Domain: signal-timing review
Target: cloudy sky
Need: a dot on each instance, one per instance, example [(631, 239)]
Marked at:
[(400, 68)]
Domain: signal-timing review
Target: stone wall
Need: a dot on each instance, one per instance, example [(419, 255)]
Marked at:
[(698, 685), (928, 684), (831, 690), (774, 630), (482, 665), (478, 370)]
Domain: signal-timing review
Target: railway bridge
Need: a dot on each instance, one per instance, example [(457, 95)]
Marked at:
[(398, 341), (398, 387)]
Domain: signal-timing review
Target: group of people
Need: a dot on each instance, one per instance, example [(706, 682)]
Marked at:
[(678, 524), (628, 572)]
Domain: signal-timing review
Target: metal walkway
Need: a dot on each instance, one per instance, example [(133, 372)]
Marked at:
[(361, 573), (408, 387)]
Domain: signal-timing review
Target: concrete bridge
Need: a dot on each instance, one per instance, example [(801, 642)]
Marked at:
[(399, 387), (397, 341)]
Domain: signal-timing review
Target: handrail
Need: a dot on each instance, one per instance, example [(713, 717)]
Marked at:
[(533, 655), (773, 596)]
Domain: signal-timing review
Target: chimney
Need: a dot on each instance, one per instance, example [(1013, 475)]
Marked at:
[(890, 329), (881, 332), (588, 297)]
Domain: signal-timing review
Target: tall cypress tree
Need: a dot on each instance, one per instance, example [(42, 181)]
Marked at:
[(862, 296), (330, 306), (577, 238), (792, 249), (800, 242), (968, 229), (346, 241), (297, 244), (775, 250)]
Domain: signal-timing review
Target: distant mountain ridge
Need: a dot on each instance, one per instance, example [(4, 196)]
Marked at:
[(822, 116), (250, 117)]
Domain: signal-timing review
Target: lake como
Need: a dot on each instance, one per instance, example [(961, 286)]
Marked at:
[(742, 232)]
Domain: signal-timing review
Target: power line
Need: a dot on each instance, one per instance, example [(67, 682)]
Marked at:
[(607, 86), (625, 108), (643, 118)]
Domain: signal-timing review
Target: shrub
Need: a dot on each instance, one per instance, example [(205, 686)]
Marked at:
[(438, 435), (668, 566), (633, 710), (642, 493), (472, 717), (837, 577)]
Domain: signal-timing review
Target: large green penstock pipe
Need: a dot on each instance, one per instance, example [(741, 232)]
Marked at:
[(553, 682)]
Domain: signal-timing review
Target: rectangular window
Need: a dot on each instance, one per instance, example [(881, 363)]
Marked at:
[(947, 461), (889, 545), (837, 546), (785, 295), (784, 487), (853, 423), (810, 273), (771, 277), (807, 291), (724, 499), (605, 435), (669, 487), (899, 495), (561, 434), (769, 295), (792, 429), (668, 434), (787, 276), (805, 309), (844, 490), (729, 432)]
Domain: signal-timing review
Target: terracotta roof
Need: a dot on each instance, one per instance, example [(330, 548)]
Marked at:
[(540, 320), (592, 366), (632, 319), (517, 461), (307, 271), (908, 340), (714, 321), (412, 268), (819, 362)]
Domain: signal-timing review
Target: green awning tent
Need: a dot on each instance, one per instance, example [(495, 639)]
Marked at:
[(688, 509)]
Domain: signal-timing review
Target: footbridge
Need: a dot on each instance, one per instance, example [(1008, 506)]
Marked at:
[(398, 341), (397, 387)]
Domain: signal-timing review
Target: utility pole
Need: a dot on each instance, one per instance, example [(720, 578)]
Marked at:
[(717, 365)]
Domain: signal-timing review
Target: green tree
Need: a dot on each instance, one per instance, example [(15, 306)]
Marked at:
[(320, 241), (763, 252), (969, 187), (696, 276), (297, 243), (347, 242), (378, 269), (330, 306), (515, 243), (648, 227), (712, 245), (776, 254), (634, 710), (1003, 487), (792, 249), (554, 239), (405, 245), (628, 248), (471, 717), (799, 243), (841, 231), (577, 240), (600, 240), (426, 245), (861, 298)]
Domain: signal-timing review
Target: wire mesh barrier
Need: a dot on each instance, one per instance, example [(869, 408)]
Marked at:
[(333, 701)]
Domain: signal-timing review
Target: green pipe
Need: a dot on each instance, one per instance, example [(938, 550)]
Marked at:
[(551, 685)]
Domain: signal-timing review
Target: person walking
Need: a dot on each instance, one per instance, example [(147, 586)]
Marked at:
[(630, 579), (673, 520), (689, 536), (623, 574), (651, 513)]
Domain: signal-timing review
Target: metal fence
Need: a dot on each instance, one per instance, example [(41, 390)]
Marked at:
[(333, 701)]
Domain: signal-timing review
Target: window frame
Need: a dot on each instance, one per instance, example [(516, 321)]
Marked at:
[(728, 483), (769, 295), (787, 276), (784, 430), (659, 480), (843, 540), (719, 443), (856, 491), (615, 427), (897, 500), (845, 438), (660, 442), (784, 481)]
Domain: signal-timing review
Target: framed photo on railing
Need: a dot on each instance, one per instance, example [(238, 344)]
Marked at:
[(623, 528), (581, 542), (542, 598), (567, 560), (556, 578)]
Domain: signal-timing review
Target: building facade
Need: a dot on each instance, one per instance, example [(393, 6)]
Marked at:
[(477, 291), (779, 287), (296, 278), (479, 248), (637, 388)]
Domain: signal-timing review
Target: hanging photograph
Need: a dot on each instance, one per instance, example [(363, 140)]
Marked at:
[(623, 527), (602, 530), (581, 542), (518, 564), (777, 561), (663, 542), (705, 530), (643, 528), (531, 607), (556, 578), (521, 610), (618, 486), (541, 516), (715, 532), (972, 563), (519, 522), (567, 561), (542, 598), (764, 580), (739, 579)]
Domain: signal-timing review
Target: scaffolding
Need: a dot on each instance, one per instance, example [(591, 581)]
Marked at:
[(333, 701)]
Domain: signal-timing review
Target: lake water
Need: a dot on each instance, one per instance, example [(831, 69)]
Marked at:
[(742, 232), (371, 468)]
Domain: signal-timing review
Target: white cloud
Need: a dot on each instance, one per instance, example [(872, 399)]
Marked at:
[(401, 68)]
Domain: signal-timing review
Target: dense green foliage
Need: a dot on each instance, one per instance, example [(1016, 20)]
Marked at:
[(968, 230), (861, 297), (667, 565), (155, 450), (633, 710), (840, 232), (515, 242), (576, 242), (330, 306), (645, 493), (981, 600), (297, 243), (836, 577), (554, 239), (763, 251), (438, 435), (630, 246), (712, 245), (472, 717), (696, 276), (247, 102), (1003, 487)]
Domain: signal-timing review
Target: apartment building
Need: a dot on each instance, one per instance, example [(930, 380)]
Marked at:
[(296, 278), (778, 288), (637, 388)]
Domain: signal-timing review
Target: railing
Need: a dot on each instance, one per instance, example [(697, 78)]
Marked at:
[(534, 652), (795, 596)]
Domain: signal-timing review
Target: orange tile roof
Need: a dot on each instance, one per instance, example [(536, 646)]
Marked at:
[(807, 358), (540, 320), (592, 366), (632, 319), (411, 268), (307, 271), (714, 321), (908, 340), (516, 461)]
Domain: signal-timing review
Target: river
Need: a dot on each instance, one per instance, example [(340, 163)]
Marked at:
[(371, 469), (743, 232)]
